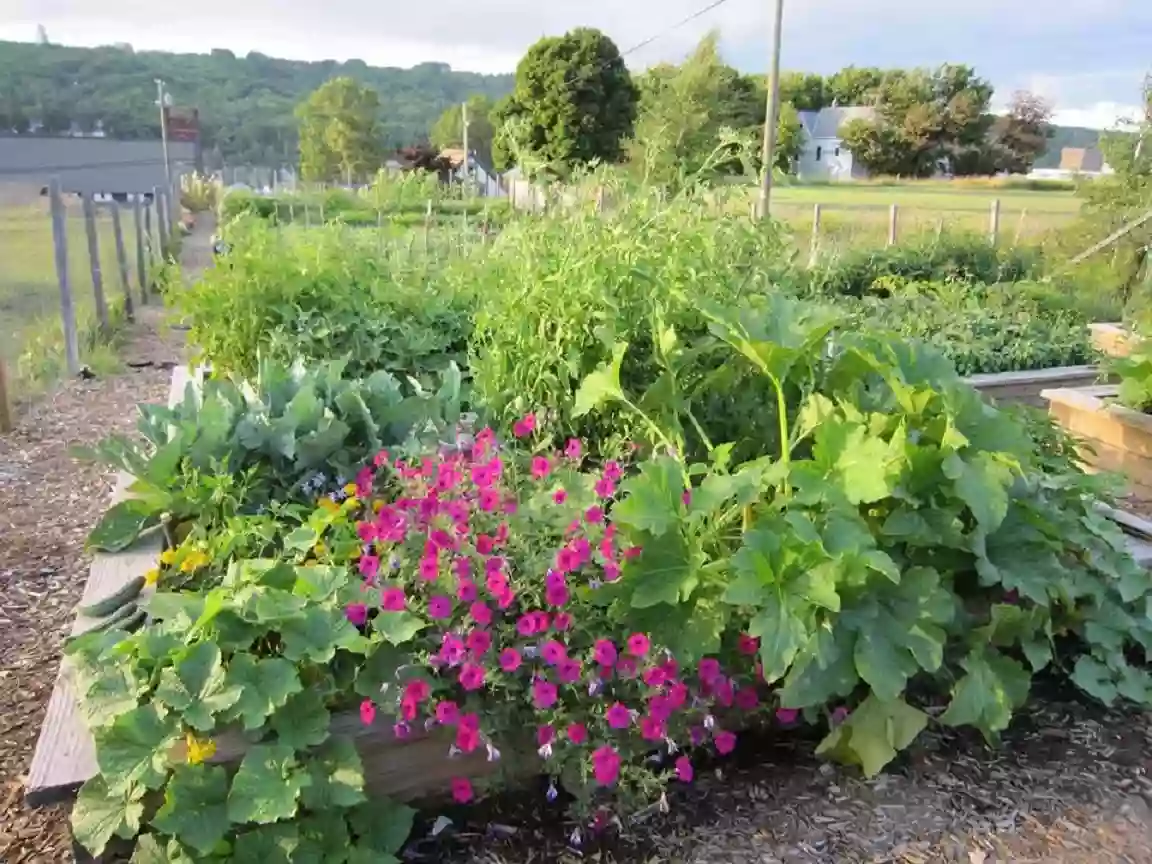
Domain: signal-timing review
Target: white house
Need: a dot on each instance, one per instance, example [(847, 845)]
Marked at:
[(824, 156)]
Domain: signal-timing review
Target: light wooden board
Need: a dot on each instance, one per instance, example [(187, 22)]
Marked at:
[(1113, 340), (64, 757)]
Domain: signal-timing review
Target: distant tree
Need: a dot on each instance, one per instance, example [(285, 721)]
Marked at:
[(340, 135), (1016, 139), (806, 92), (448, 130), (852, 85), (923, 118), (574, 102)]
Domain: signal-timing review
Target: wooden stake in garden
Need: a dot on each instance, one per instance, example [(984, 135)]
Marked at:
[(893, 217), (427, 225), (815, 245), (122, 261), (6, 424), (141, 271), (94, 264), (67, 310), (994, 222), (161, 222)]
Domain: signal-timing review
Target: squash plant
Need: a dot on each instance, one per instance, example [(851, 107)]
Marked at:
[(904, 532)]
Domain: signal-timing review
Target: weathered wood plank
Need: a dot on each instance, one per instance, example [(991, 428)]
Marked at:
[(64, 757), (1025, 387)]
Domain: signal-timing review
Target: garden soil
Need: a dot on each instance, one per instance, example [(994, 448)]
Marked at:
[(1069, 783), (48, 503)]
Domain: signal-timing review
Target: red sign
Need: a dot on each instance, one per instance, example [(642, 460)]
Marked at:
[(182, 126)]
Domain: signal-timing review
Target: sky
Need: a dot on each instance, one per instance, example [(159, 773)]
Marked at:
[(1087, 57)]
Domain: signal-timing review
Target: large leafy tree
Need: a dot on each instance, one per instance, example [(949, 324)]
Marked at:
[(574, 102), (448, 131), (923, 118), (685, 110), (340, 133)]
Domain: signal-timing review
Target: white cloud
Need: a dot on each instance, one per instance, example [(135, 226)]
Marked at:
[(1102, 115)]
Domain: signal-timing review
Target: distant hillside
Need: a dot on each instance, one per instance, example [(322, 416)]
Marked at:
[(245, 103), (1067, 136)]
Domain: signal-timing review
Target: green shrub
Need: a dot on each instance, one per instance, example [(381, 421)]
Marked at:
[(555, 294), (961, 258), (326, 293)]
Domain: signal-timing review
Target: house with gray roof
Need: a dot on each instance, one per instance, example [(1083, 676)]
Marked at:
[(824, 156)]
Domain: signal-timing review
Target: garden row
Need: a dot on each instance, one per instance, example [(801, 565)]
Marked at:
[(587, 502)]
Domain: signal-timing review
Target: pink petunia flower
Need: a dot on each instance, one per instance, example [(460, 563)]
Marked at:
[(638, 644), (466, 592), (478, 642), (604, 652), (605, 488), (481, 614), (429, 569), (558, 596), (594, 515), (447, 712), (367, 712), (369, 566), (747, 645), (568, 670), (684, 772), (471, 676), (606, 765), (393, 600), (544, 734), (525, 426), (577, 733), (541, 467), (573, 448), (654, 677), (747, 699), (553, 652), (709, 669), (562, 621), (461, 790), (509, 659), (618, 717), (439, 607), (543, 694), (417, 690), (356, 613), (559, 496), (839, 715), (787, 716), (611, 571), (651, 728), (725, 742), (484, 544), (632, 552)]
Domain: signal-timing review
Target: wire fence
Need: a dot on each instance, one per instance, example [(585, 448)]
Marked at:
[(72, 271)]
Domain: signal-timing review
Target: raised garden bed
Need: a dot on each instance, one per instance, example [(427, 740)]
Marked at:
[(65, 758), (1027, 387), (1116, 438), (1112, 340)]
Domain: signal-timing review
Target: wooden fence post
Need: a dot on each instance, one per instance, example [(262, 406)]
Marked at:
[(67, 311), (161, 208), (6, 424), (994, 222), (122, 261), (1019, 227), (893, 216), (94, 264), (141, 267), (815, 235), (427, 225)]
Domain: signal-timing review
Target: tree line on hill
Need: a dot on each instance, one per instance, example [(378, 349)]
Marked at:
[(571, 100)]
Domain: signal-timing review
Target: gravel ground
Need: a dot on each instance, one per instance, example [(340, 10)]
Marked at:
[(48, 502), (1070, 783)]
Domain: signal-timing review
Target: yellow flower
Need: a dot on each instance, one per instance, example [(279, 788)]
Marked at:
[(152, 576), (320, 549), (351, 503), (377, 505), (168, 556), (199, 751), (349, 489), (194, 560), (328, 504)]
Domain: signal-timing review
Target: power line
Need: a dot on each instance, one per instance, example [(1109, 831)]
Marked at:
[(667, 32)]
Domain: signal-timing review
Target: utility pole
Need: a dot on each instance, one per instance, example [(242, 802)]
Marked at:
[(768, 154), (464, 126), (161, 99)]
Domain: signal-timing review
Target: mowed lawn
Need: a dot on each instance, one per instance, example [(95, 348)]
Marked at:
[(858, 214)]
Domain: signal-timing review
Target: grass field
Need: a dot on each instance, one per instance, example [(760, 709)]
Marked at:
[(31, 333), (857, 215)]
